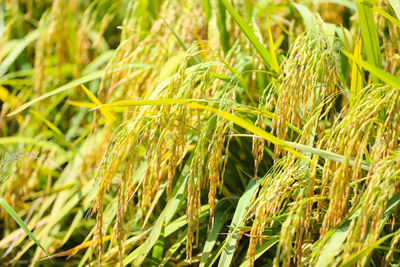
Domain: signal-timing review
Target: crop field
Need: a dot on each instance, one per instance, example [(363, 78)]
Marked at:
[(200, 133)]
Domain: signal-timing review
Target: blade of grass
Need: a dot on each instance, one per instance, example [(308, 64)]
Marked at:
[(54, 128), (70, 85), (289, 146), (220, 13), (173, 249), (261, 250), (65, 201), (9, 140), (350, 4), (332, 247), (139, 254), (158, 249), (194, 60), (386, 15), (308, 17), (377, 72), (346, 36), (49, 124), (239, 77), (369, 35), (396, 7), (220, 218), (9, 60), (99, 61), (21, 223), (81, 104), (352, 261), (356, 74), (327, 154), (275, 65), (230, 242), (2, 20), (336, 236), (221, 249), (262, 51), (109, 117), (250, 127)]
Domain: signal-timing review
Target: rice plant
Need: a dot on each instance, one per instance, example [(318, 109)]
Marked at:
[(199, 133)]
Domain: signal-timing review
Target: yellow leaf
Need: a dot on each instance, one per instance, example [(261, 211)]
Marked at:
[(250, 127), (81, 104), (275, 65), (109, 117), (356, 74), (3, 94)]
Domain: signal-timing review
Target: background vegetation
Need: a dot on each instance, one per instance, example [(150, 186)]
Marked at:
[(205, 133)]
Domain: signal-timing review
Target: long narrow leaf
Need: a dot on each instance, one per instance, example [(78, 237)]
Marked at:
[(396, 7), (21, 223), (230, 243), (262, 51), (289, 146), (261, 250), (70, 85), (378, 72), (356, 75), (220, 218), (387, 16), (139, 254), (369, 34), (32, 36)]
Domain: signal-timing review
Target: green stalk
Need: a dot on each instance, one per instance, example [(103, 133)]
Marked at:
[(369, 35)]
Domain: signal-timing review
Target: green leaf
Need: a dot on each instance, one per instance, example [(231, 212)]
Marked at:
[(333, 246), (250, 127), (21, 223), (369, 35), (377, 72), (275, 65), (29, 38), (261, 250), (70, 85), (173, 249), (262, 51), (396, 7), (10, 140), (139, 254), (352, 261), (387, 16), (238, 218), (98, 62), (313, 25), (308, 17), (158, 249), (335, 237), (289, 146), (219, 220)]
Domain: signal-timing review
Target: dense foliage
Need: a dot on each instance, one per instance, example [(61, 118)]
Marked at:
[(204, 133)]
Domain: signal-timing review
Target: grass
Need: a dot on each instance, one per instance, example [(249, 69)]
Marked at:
[(203, 133)]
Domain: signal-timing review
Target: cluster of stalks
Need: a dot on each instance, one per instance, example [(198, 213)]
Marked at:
[(125, 128)]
